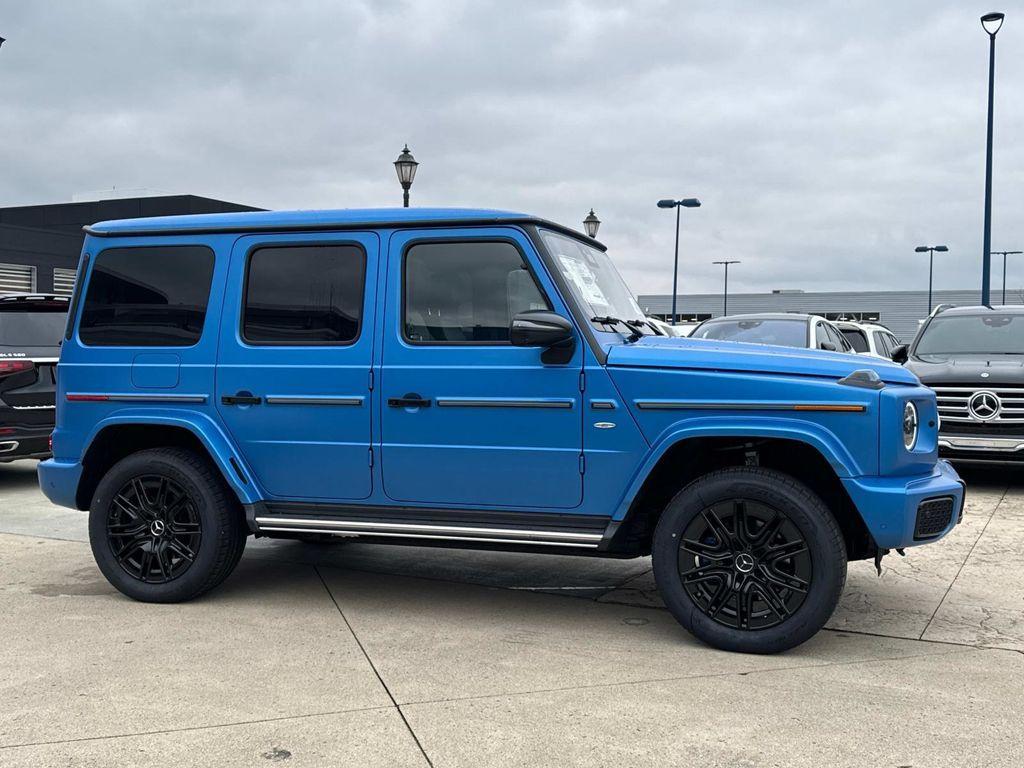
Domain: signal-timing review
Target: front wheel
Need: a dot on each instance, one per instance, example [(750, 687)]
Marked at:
[(749, 560), (164, 527)]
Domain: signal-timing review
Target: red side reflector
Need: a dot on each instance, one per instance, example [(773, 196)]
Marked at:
[(6, 431), (7, 367), (86, 398)]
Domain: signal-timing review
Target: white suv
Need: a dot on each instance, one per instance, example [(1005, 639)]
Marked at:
[(869, 338)]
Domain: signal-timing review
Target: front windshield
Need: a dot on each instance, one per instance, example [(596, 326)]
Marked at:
[(989, 334), (781, 331), (593, 279)]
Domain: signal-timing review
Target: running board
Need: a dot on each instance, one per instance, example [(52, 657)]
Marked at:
[(469, 533)]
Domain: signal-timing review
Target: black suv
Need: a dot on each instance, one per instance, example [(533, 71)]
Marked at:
[(31, 327), (973, 357)]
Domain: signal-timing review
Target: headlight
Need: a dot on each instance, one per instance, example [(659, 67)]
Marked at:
[(909, 425)]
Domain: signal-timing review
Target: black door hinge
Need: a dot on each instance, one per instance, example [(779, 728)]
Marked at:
[(370, 452), (583, 464), (583, 381), (369, 383)]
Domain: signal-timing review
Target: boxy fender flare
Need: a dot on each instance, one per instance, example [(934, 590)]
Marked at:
[(217, 444), (749, 426)]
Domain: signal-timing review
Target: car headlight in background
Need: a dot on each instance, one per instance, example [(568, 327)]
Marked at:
[(910, 425)]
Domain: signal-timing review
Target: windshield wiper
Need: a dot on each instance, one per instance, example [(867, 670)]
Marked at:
[(634, 330)]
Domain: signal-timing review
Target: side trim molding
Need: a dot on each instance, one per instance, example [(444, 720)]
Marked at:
[(691, 405), (132, 397), (462, 402), (314, 400)]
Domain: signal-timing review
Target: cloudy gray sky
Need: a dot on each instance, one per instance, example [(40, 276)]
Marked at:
[(825, 139)]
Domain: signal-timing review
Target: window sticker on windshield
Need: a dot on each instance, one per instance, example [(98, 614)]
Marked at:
[(585, 281)]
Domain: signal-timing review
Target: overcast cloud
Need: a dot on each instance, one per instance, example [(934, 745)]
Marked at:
[(825, 139)]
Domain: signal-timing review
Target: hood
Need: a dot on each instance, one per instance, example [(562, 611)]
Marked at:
[(707, 354), (968, 368)]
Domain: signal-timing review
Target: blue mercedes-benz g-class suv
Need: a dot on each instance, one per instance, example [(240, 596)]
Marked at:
[(468, 378)]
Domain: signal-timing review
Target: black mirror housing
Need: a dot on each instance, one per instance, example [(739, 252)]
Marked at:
[(828, 346), (540, 328), (901, 354)]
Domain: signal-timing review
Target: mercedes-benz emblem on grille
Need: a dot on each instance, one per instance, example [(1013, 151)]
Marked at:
[(984, 406)]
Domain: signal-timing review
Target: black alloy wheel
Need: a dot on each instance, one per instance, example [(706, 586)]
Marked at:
[(749, 559), (154, 529), (164, 526), (745, 564)]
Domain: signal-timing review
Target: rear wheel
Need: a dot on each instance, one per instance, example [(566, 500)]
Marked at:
[(163, 526), (750, 560)]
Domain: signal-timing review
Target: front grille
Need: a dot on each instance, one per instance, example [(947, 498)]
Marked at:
[(933, 516), (957, 418), (982, 428)]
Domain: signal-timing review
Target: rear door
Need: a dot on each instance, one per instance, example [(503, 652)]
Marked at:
[(293, 370)]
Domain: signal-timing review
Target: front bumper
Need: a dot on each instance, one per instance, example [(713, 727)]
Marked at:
[(890, 505), (58, 481), (982, 449)]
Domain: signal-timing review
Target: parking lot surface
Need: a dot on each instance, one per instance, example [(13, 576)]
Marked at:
[(359, 654)]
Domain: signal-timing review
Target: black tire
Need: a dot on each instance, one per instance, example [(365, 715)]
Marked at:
[(755, 588), (200, 516)]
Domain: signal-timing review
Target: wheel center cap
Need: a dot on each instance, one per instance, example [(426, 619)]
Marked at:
[(744, 562), (158, 527)]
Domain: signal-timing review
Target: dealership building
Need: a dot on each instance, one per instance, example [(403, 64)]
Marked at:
[(900, 311), (40, 244)]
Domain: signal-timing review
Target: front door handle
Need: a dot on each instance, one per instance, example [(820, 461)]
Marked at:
[(241, 398), (411, 400)]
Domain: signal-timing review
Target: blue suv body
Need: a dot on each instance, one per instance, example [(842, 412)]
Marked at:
[(468, 378)]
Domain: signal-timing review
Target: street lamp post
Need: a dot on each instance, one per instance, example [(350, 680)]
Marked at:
[(1004, 254), (930, 249), (725, 291), (591, 224), (688, 202), (991, 22), (405, 167)]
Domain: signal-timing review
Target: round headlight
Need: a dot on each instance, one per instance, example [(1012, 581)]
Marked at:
[(909, 425)]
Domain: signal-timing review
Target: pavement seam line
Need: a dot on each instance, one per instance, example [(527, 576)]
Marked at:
[(594, 686), (964, 563), (373, 666), (188, 728)]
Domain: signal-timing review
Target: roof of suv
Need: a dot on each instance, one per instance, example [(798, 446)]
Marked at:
[(344, 218), (764, 316), (1010, 309)]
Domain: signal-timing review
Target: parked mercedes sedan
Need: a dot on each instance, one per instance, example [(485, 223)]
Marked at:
[(784, 329)]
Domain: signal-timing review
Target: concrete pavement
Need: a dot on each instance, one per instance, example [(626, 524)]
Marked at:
[(357, 654)]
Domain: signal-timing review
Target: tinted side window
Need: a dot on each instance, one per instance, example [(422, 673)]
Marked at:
[(820, 335), (147, 297), (883, 341), (837, 338), (466, 292), (857, 339), (304, 295)]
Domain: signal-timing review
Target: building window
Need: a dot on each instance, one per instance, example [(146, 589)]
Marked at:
[(147, 297), (63, 281), (17, 278), (304, 295)]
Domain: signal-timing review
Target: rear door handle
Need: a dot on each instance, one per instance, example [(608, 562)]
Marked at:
[(241, 398), (411, 400)]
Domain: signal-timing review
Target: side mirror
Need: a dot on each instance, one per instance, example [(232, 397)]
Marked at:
[(900, 354), (540, 328), (828, 345)]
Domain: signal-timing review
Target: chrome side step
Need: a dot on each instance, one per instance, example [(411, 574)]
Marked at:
[(552, 538)]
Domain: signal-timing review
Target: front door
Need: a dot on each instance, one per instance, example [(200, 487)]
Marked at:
[(467, 418), (294, 363)]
